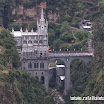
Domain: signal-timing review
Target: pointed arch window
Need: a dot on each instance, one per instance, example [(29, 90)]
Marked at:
[(40, 41), (41, 65), (35, 41), (24, 42), (42, 79), (35, 52), (30, 42), (35, 65), (29, 65)]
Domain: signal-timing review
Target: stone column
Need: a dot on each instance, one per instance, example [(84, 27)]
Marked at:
[(46, 82), (67, 77)]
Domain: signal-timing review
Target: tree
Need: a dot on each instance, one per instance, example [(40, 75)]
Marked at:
[(51, 36), (65, 27), (57, 44)]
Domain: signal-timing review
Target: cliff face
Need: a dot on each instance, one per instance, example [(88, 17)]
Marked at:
[(23, 14), (54, 11)]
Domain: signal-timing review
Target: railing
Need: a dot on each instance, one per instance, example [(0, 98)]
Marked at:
[(69, 51), (57, 54), (66, 54)]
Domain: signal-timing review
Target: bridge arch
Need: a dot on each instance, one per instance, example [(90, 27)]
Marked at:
[(68, 83), (57, 74), (54, 59), (78, 74), (67, 62)]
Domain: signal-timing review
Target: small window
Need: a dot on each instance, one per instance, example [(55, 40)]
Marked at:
[(41, 65), (30, 65), (35, 65), (35, 41), (35, 52), (30, 53), (26, 53), (30, 42), (24, 42), (42, 79), (40, 41)]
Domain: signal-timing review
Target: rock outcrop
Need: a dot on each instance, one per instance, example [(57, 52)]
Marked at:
[(33, 14)]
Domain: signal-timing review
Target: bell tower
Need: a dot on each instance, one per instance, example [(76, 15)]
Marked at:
[(42, 28), (42, 25)]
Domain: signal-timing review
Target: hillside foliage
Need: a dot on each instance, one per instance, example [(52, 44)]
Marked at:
[(8, 56), (17, 87), (88, 80)]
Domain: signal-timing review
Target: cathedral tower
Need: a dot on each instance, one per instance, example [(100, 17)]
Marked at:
[(42, 28)]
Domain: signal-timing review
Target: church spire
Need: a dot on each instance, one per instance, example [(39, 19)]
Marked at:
[(42, 16)]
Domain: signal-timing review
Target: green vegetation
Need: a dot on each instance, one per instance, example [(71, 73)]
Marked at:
[(19, 88), (8, 56), (62, 37), (88, 80)]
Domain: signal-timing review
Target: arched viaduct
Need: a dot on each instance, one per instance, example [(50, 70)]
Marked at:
[(67, 58)]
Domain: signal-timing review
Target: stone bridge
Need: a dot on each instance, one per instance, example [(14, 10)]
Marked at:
[(67, 58)]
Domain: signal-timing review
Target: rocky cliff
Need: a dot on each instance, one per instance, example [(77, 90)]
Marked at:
[(22, 14)]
